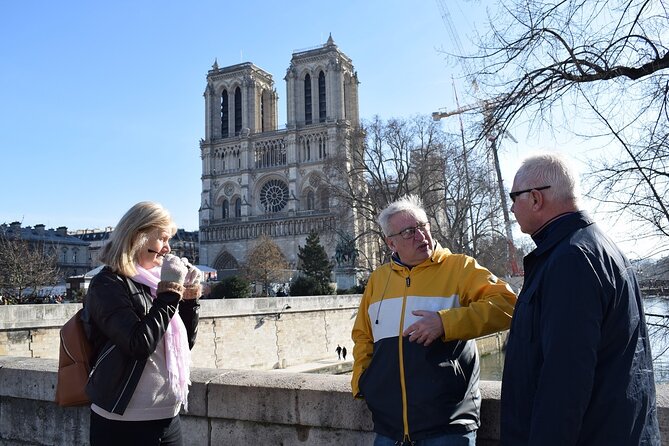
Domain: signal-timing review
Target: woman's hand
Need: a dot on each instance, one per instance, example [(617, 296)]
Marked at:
[(194, 276), (173, 270), (192, 281)]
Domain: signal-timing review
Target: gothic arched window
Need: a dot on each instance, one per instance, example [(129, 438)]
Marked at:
[(262, 111), (307, 99), (324, 199), (225, 126), (321, 97), (310, 200), (238, 207), (238, 111), (225, 209)]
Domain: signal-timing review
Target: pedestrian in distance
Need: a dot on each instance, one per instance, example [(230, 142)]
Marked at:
[(141, 315), (415, 361), (578, 367), (338, 350), (343, 353)]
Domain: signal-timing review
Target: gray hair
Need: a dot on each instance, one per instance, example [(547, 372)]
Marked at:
[(549, 169), (408, 204)]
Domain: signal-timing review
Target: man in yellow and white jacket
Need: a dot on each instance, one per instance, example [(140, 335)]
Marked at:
[(415, 358)]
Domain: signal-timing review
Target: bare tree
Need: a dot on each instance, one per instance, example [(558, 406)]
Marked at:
[(24, 268), (599, 68), (266, 264), (414, 156)]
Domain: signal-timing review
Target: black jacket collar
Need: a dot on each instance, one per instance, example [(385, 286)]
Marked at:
[(551, 234)]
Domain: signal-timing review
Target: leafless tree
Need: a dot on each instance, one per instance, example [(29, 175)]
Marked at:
[(599, 68), (414, 156), (24, 268), (266, 264)]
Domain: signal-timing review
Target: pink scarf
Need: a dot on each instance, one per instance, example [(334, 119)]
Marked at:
[(177, 353)]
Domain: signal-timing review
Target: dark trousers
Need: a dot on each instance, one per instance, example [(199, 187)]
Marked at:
[(104, 432)]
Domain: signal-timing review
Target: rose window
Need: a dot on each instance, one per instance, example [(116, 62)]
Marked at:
[(274, 195)]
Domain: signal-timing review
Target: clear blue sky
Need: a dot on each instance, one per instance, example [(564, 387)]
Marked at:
[(101, 103)]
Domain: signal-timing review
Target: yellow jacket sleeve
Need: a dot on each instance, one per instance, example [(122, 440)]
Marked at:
[(486, 304)]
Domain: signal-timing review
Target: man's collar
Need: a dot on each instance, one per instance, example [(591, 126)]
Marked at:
[(538, 233), (558, 228)]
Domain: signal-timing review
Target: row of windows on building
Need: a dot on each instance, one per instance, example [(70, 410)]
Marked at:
[(271, 153), (237, 106), (68, 255), (271, 229), (274, 198)]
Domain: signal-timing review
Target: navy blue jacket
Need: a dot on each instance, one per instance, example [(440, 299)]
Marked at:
[(578, 368)]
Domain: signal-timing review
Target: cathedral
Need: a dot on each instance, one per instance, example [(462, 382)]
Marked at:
[(259, 180)]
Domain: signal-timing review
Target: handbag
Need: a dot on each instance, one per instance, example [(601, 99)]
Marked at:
[(73, 363)]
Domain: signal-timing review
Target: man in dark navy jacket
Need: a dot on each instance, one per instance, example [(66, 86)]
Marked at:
[(578, 367)]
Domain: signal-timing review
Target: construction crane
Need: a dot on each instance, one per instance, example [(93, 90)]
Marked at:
[(491, 139), (485, 107)]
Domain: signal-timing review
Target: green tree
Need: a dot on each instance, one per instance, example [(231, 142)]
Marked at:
[(314, 263), (231, 288), (306, 286)]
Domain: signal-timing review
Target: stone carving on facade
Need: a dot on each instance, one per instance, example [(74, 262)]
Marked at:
[(228, 189), (205, 205), (334, 64)]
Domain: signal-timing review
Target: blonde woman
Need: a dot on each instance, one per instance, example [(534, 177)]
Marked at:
[(141, 312)]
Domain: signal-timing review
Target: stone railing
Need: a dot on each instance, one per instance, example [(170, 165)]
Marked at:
[(260, 333), (227, 407)]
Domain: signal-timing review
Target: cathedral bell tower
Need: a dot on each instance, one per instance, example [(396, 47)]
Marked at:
[(258, 179)]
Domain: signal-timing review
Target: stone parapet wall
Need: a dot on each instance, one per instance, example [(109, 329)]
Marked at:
[(258, 333), (233, 333), (227, 407)]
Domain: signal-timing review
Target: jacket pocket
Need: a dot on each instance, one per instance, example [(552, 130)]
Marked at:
[(523, 321)]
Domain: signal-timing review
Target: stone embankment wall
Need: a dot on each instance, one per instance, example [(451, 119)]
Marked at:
[(227, 407), (260, 333)]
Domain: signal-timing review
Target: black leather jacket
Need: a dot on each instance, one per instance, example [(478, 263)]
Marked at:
[(125, 325)]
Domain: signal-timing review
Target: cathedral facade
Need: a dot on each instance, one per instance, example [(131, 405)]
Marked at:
[(258, 179)]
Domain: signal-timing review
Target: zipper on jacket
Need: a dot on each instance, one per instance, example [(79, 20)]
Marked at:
[(100, 358), (405, 404), (125, 386)]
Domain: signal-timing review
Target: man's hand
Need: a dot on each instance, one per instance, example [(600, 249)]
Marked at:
[(425, 330)]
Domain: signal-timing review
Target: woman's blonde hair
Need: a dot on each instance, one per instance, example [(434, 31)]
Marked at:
[(131, 233)]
